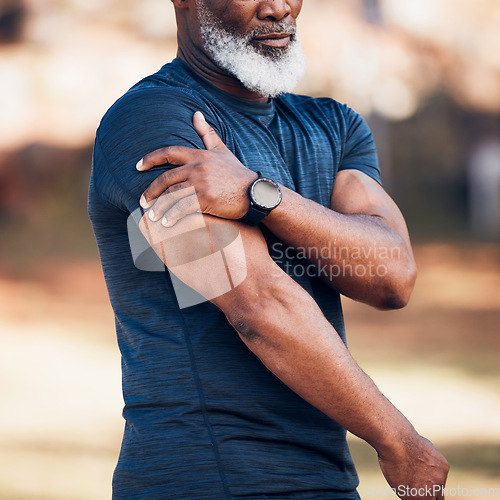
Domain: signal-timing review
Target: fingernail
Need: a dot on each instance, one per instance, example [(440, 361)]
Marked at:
[(152, 215), (164, 221), (201, 115), (139, 164), (142, 202)]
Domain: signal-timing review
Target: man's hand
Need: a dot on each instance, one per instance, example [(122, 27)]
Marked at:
[(415, 469), (220, 180)]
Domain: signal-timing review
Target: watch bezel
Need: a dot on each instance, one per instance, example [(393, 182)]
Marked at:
[(252, 196)]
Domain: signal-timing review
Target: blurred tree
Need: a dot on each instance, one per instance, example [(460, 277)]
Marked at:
[(12, 16), (426, 74)]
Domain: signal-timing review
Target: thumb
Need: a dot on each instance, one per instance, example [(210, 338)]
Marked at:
[(206, 132)]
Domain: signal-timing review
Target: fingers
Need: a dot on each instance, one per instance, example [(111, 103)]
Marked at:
[(161, 184), (174, 155), (185, 206), (206, 132), (169, 198)]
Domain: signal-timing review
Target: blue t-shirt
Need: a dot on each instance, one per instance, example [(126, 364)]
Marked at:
[(204, 418)]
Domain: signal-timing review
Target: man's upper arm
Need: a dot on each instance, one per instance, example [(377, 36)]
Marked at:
[(354, 192), (210, 255), (358, 188), (359, 151), (140, 122)]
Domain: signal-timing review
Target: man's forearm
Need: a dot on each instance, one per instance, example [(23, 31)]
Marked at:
[(283, 326), (360, 255), (279, 321)]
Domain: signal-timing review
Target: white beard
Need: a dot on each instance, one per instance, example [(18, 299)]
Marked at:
[(269, 72)]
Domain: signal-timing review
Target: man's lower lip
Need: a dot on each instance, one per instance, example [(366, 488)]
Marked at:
[(273, 42)]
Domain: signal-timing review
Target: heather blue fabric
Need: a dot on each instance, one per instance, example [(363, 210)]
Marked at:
[(204, 418)]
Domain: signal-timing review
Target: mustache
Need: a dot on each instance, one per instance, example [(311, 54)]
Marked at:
[(281, 27)]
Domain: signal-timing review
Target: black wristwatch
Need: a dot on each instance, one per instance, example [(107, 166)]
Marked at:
[(265, 195)]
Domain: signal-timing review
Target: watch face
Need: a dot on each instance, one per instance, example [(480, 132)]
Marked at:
[(266, 193)]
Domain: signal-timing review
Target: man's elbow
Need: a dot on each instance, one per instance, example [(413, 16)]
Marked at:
[(259, 307), (398, 289), (254, 316), (247, 329)]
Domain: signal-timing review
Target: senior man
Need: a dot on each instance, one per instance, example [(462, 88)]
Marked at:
[(248, 394)]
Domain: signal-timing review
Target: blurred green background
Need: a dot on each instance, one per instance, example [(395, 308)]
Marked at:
[(425, 74)]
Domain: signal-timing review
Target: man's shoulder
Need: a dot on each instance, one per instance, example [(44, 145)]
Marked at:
[(143, 104), (139, 103), (312, 105), (324, 110), (167, 92)]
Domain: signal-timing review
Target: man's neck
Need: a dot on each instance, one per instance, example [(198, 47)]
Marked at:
[(205, 67)]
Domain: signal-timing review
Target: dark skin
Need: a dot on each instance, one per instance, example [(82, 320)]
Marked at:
[(272, 314)]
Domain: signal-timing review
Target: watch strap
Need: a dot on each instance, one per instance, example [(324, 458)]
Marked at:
[(254, 214)]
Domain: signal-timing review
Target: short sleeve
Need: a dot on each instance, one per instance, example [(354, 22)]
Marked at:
[(140, 122), (359, 152)]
